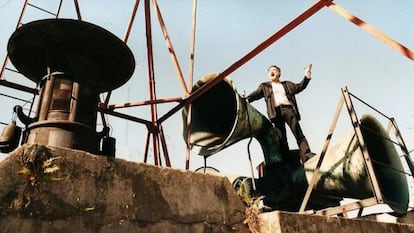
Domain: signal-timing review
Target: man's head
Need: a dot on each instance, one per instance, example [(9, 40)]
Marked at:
[(274, 73)]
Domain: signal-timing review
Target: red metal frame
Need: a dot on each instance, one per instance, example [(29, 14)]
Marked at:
[(154, 125)]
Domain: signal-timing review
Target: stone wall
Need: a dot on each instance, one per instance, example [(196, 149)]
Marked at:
[(46, 189)]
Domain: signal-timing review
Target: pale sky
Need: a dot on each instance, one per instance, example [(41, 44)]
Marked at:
[(342, 55)]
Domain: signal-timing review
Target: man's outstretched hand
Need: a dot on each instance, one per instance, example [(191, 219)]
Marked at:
[(308, 71)]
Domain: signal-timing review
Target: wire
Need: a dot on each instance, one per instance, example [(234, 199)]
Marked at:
[(12, 97), (248, 147)]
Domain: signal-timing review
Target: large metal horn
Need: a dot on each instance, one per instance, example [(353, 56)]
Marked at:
[(221, 117), (343, 172)]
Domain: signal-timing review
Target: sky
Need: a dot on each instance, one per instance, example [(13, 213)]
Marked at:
[(343, 56)]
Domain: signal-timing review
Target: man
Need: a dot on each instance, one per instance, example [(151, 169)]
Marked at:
[(282, 107)]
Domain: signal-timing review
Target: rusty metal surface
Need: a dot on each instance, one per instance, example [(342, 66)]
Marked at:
[(67, 117), (72, 62), (63, 133), (87, 53)]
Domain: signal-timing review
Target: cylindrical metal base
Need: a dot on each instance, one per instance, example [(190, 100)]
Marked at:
[(64, 134)]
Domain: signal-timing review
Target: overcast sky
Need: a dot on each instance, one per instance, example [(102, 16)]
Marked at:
[(342, 55)]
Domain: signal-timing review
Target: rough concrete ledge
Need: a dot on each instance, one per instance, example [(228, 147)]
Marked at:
[(46, 189), (284, 222)]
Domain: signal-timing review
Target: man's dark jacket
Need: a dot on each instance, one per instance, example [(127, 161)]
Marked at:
[(265, 90)]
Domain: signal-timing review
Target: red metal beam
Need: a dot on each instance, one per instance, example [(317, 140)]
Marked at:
[(262, 46), (131, 21), (126, 37), (151, 79), (78, 13), (171, 48), (145, 102), (19, 21), (376, 33)]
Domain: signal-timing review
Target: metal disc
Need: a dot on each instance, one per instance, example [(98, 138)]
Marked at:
[(86, 53)]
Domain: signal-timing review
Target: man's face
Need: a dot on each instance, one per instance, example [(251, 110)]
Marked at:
[(273, 73)]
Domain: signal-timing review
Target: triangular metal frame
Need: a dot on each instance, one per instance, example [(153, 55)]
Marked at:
[(377, 197)]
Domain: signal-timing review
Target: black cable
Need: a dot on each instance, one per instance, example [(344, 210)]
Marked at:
[(248, 145)]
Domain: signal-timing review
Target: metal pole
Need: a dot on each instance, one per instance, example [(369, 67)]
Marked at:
[(151, 80), (77, 9), (191, 74), (370, 169), (324, 149), (171, 48)]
